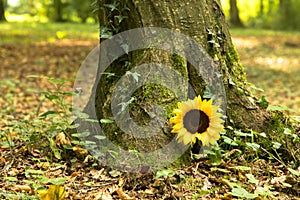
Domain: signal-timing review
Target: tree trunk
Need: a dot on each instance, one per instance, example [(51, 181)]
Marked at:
[(203, 21), (285, 11), (261, 8), (2, 11), (271, 7), (58, 6), (234, 14)]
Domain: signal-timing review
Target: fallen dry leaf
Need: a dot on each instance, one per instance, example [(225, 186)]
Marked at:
[(123, 195), (19, 188), (61, 139)]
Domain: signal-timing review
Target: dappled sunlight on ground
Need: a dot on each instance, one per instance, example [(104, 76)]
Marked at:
[(60, 60), (273, 64)]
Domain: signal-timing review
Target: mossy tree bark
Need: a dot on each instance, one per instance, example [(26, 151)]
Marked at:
[(203, 21)]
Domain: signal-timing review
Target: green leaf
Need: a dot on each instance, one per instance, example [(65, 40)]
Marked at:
[(51, 96), (89, 184), (229, 141), (42, 179), (58, 181), (165, 172), (50, 112), (276, 145), (135, 75), (239, 133), (252, 179), (263, 102), (219, 169), (208, 94), (254, 146), (294, 171), (241, 192), (55, 150), (215, 156), (33, 171), (125, 47), (106, 121), (263, 134), (286, 184), (121, 18), (296, 118), (277, 108), (113, 6), (242, 168), (231, 82), (105, 32), (287, 131), (12, 179), (100, 137)]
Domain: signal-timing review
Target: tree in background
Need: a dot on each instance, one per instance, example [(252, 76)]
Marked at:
[(83, 9), (261, 10), (2, 11), (58, 8), (234, 14)]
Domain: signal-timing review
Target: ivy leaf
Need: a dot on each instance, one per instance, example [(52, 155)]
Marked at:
[(263, 102), (100, 137), (241, 192), (276, 145), (57, 181), (231, 82), (105, 32), (296, 173), (112, 7), (106, 121), (287, 131), (239, 133), (242, 168), (54, 149), (229, 141), (219, 169), (121, 18), (165, 172), (277, 108), (125, 47), (254, 146), (134, 75), (252, 179)]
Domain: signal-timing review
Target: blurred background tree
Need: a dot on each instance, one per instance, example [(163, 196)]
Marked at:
[(234, 14), (51, 10), (2, 10), (267, 14)]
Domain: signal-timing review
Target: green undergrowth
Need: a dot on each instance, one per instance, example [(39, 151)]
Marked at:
[(261, 32), (238, 154), (32, 32)]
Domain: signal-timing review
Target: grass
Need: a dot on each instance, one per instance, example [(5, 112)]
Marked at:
[(32, 32), (252, 32)]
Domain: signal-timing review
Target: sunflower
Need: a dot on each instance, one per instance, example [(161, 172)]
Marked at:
[(197, 119)]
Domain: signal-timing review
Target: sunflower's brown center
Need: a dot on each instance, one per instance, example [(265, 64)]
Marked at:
[(195, 121)]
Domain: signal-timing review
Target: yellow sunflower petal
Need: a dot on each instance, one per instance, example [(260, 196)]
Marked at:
[(209, 128)]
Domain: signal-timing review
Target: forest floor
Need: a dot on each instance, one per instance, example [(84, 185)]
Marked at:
[(53, 53)]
